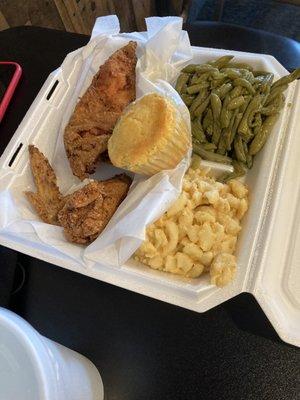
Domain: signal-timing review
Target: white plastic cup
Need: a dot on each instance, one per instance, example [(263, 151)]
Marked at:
[(33, 367)]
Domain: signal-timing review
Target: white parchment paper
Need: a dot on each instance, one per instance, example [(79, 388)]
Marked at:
[(162, 51)]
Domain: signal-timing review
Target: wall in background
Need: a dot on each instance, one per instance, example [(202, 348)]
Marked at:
[(79, 15)]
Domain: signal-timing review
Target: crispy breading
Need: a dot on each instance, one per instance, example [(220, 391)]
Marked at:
[(47, 201), (96, 113), (88, 210)]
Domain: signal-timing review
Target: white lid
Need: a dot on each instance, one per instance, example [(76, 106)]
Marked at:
[(26, 371), (277, 284)]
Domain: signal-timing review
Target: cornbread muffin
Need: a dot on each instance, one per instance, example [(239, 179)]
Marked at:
[(150, 136)]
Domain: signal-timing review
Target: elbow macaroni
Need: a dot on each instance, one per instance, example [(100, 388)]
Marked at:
[(199, 232)]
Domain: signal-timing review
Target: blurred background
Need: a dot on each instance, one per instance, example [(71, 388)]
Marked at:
[(277, 16)]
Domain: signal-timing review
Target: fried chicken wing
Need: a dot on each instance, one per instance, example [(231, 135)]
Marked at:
[(47, 201), (88, 210), (96, 113)]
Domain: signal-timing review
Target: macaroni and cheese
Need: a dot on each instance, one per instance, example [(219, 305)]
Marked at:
[(199, 232)]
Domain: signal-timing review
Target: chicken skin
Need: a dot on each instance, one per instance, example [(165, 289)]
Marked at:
[(47, 201), (83, 214), (88, 210)]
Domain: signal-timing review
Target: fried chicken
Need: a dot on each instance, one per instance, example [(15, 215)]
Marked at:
[(84, 213), (96, 113), (47, 201), (88, 210)]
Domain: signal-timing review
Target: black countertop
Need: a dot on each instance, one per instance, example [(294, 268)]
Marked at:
[(144, 348)]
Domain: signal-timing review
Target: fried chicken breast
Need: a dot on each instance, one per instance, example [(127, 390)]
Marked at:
[(47, 201), (88, 210), (96, 113)]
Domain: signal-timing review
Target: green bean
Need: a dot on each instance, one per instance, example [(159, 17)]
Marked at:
[(237, 172), (197, 130), (216, 132), (236, 92), (193, 80), (221, 62), (239, 149), (196, 88), (236, 103), (265, 95), (226, 133), (198, 100), (208, 121), (199, 79), (183, 90), (201, 68), (257, 128), (274, 92), (248, 75), (222, 145), (216, 105), (208, 146), (279, 100), (196, 161), (244, 129), (239, 66), (245, 92), (203, 76), (199, 110), (262, 136), (210, 129), (275, 106), (265, 87), (238, 168), (231, 131), (245, 147), (255, 106), (260, 79), (285, 80), (257, 86), (257, 121), (222, 90), (225, 114), (217, 75), (269, 79), (232, 73), (264, 81), (197, 68), (245, 105), (249, 161), (231, 107), (190, 69), (259, 72), (187, 99), (181, 81), (225, 118), (209, 155), (244, 83), (216, 84)]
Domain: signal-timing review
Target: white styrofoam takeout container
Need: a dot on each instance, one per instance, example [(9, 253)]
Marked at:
[(268, 252)]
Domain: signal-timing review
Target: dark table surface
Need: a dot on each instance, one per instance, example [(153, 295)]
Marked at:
[(144, 348)]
